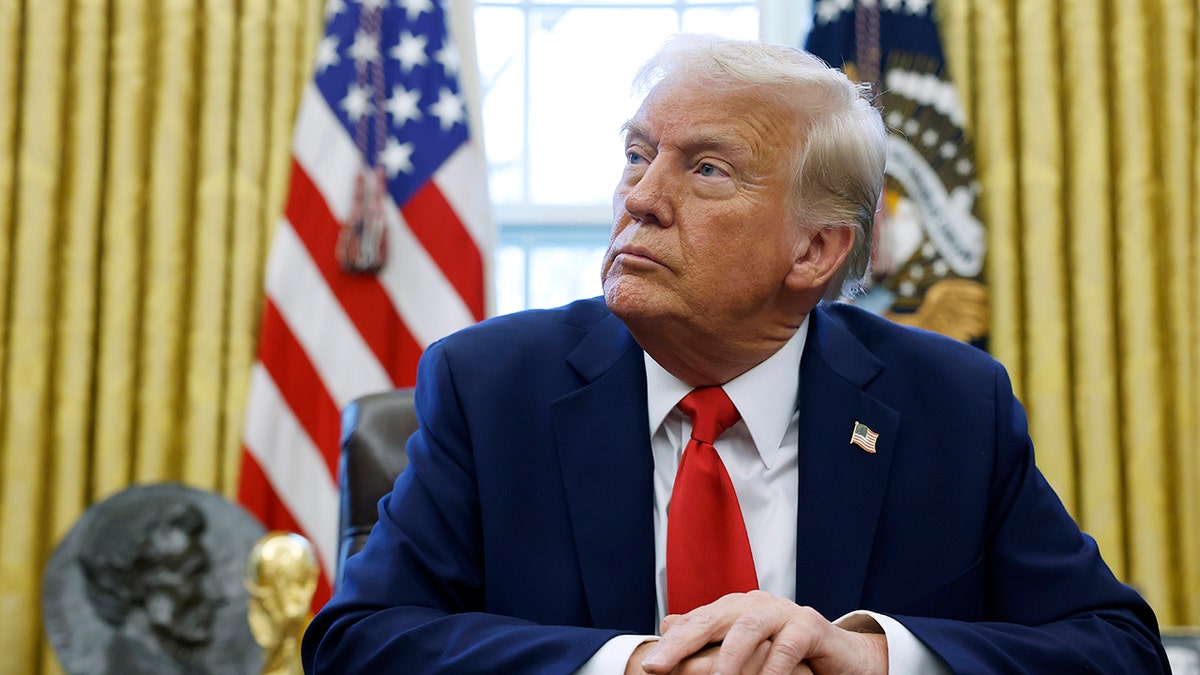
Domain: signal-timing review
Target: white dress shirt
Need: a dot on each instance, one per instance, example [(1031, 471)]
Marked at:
[(760, 454)]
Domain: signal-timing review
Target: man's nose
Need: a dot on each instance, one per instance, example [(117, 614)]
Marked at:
[(651, 199)]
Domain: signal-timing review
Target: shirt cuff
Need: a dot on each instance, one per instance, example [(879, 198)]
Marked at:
[(906, 654), (613, 655)]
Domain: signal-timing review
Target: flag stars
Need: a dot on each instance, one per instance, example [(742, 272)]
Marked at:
[(396, 157), (827, 12), (911, 127), (365, 48), (448, 109), (891, 5), (327, 53), (410, 51), (929, 137), (449, 57), (404, 105), (372, 5), (948, 150), (333, 8), (357, 102), (918, 7), (414, 8), (963, 167)]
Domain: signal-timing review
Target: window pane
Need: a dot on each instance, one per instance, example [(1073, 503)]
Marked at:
[(510, 279), (734, 22), (500, 40), (615, 3), (581, 64), (560, 274)]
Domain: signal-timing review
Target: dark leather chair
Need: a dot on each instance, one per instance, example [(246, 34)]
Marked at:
[(375, 429)]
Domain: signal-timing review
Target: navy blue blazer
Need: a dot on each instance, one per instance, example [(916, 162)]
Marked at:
[(520, 538)]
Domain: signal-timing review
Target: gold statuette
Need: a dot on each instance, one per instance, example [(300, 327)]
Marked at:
[(281, 576)]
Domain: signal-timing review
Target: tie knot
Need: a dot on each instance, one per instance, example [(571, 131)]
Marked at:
[(711, 411)]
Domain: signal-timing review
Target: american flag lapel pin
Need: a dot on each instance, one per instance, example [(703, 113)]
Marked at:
[(863, 437)]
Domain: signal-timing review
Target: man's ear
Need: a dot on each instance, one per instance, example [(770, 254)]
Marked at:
[(819, 256)]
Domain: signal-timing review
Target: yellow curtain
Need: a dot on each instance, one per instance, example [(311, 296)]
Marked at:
[(1087, 120), (144, 153)]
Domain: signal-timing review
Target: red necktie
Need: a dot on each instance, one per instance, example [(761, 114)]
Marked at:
[(708, 552)]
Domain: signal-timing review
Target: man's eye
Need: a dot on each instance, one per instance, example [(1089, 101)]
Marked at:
[(633, 157), (708, 170)]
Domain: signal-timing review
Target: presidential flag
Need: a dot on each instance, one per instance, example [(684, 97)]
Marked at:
[(929, 241), (381, 248)]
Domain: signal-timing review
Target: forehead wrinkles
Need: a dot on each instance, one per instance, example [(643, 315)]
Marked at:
[(750, 130)]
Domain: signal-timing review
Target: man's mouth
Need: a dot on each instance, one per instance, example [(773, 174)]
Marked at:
[(636, 254)]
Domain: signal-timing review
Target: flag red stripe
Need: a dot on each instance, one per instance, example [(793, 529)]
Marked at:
[(300, 385), (361, 295), (256, 494), (437, 226)]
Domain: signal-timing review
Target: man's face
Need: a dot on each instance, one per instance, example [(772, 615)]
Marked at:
[(702, 229)]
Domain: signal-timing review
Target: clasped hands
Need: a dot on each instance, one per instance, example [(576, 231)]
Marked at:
[(756, 632)]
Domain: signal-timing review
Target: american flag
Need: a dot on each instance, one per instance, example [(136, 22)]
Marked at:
[(863, 437), (387, 178)]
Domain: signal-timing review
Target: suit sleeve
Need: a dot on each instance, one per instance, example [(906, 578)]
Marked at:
[(413, 600), (1049, 602)]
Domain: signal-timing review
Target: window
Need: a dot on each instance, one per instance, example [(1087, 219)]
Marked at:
[(555, 78)]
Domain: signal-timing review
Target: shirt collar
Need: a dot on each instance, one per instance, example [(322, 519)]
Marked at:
[(756, 393)]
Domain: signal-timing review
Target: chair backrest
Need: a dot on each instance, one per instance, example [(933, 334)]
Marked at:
[(375, 429)]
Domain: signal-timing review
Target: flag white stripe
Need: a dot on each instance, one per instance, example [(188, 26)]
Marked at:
[(428, 304), (293, 465), (326, 153), (461, 170), (341, 357)]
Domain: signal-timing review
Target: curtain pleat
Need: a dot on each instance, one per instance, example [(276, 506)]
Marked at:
[(1087, 192), (10, 81), (1189, 477), (247, 243), (167, 245), (29, 366), (122, 232), (1140, 275), (204, 420), (995, 89), (1179, 108)]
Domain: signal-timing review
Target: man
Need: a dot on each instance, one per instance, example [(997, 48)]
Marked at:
[(546, 516)]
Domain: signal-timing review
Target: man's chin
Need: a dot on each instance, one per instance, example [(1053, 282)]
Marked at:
[(639, 303), (629, 296)]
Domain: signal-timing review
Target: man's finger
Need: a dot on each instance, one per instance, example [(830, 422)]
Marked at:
[(687, 635)]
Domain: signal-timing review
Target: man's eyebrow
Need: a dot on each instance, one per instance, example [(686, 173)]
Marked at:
[(632, 128), (734, 147)]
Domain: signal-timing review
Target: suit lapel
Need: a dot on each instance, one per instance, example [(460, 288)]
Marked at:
[(607, 471), (841, 485)]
